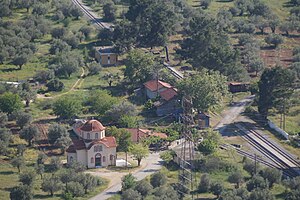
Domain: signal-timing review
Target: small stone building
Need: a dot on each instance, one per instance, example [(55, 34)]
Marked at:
[(92, 148), (106, 55)]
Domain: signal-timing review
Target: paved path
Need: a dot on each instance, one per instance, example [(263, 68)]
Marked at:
[(231, 114), (152, 164)]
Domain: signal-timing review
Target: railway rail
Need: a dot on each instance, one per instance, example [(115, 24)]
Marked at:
[(89, 14), (281, 159), (254, 157)]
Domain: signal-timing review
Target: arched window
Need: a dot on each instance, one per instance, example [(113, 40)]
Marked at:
[(100, 148), (104, 159), (71, 159), (111, 157), (96, 136), (88, 136)]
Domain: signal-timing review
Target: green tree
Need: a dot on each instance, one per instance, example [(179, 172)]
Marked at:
[(109, 11), (21, 59), (75, 188), (207, 89), (131, 194), (54, 165), (100, 101), (236, 177), (208, 47), (29, 132), (21, 192), (40, 169), (257, 182), (18, 162), (23, 119), (51, 184), (165, 192), (63, 143), (67, 108), (207, 146), (21, 148), (259, 194), (56, 131), (216, 189), (274, 39), (272, 175), (158, 179), (154, 20), (128, 182), (88, 181), (251, 167), (55, 85), (275, 87), (67, 175), (94, 68), (10, 102), (139, 66), (204, 184), (3, 119), (143, 187), (27, 177), (139, 151), (167, 156)]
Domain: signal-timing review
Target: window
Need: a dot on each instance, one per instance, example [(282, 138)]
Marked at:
[(108, 59), (104, 159), (96, 136), (97, 148), (111, 157), (92, 160), (88, 136)]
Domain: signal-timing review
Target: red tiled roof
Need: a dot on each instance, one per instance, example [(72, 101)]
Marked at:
[(107, 141), (161, 135), (77, 145), (168, 94), (71, 149), (153, 86), (92, 126), (141, 133)]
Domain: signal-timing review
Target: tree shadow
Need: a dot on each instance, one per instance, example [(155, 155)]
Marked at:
[(6, 172)]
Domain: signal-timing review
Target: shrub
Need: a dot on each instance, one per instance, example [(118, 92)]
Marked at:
[(55, 85), (204, 184), (158, 179)]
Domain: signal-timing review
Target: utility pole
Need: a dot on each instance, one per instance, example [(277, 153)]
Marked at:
[(255, 163)]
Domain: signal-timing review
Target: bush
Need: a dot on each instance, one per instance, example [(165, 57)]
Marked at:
[(204, 184), (27, 177), (158, 179), (75, 188), (128, 181), (143, 187), (131, 194), (274, 39), (55, 85)]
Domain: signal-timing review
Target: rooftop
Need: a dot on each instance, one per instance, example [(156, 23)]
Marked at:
[(92, 126), (153, 85)]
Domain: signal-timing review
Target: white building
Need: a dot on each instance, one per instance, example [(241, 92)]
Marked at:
[(92, 148)]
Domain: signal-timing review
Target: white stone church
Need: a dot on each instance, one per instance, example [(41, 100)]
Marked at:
[(92, 148)]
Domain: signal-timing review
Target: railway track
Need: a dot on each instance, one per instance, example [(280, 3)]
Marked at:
[(174, 72), (253, 157), (281, 159), (88, 14)]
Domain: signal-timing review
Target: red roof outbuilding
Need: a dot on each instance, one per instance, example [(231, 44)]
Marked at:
[(168, 94)]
